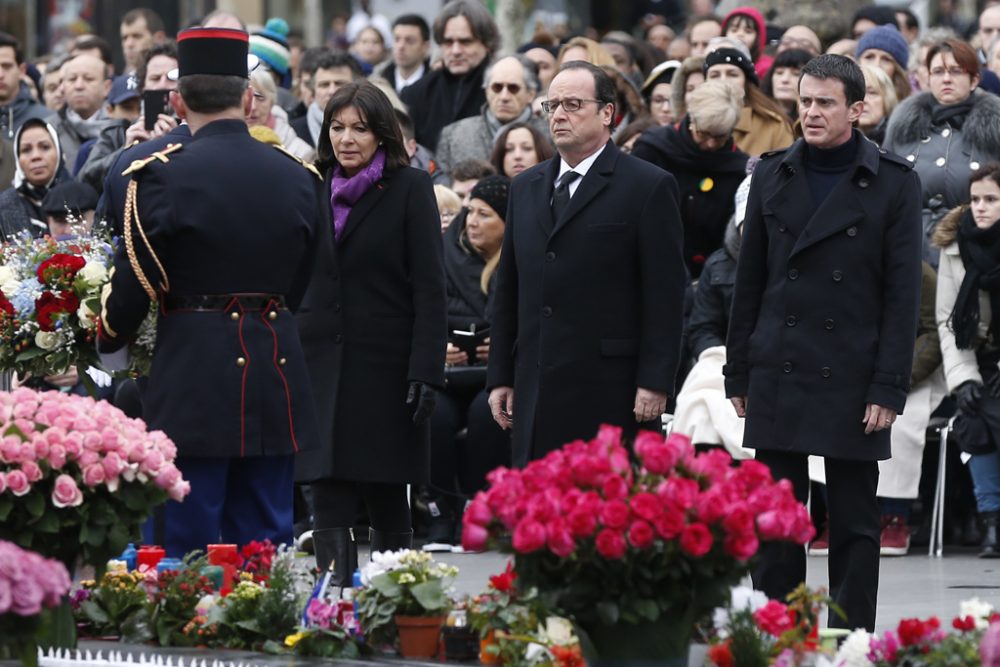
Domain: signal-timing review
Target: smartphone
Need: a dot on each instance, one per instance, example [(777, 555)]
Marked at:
[(154, 102)]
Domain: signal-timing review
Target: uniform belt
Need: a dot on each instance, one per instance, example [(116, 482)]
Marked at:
[(213, 302)]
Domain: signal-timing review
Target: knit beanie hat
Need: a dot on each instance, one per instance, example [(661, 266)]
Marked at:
[(727, 56), (885, 38), (271, 45), (493, 190)]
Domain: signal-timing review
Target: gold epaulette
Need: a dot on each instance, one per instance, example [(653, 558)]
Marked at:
[(158, 155), (307, 165)]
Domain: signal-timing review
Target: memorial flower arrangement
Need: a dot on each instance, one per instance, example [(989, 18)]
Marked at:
[(29, 585), (322, 635), (617, 543), (78, 477)]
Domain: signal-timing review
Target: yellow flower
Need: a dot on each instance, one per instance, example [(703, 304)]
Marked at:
[(407, 578), (292, 640)]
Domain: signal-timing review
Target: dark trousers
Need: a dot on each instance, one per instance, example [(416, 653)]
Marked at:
[(232, 501), (486, 445), (336, 503), (855, 529)]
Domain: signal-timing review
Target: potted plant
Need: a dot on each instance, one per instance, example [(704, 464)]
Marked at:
[(403, 597), (30, 587), (635, 548)]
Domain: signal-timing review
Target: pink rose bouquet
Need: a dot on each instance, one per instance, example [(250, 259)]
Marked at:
[(612, 537), (78, 477), (29, 584)]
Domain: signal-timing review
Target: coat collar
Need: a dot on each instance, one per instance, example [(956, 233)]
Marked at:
[(593, 182), (225, 126), (364, 205)]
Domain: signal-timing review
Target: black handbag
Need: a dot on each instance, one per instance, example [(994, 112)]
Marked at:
[(465, 378), (979, 433)]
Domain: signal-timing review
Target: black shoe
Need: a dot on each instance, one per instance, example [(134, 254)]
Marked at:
[(971, 533), (988, 548), (336, 547), (385, 541), (440, 534)]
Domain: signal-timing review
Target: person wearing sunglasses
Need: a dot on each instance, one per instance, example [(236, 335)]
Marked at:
[(511, 84)]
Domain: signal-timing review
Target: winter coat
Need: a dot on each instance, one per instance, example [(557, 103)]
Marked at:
[(944, 157), (372, 322), (24, 107), (927, 349), (440, 98), (826, 302), (472, 139), (290, 139), (758, 132), (960, 365), (713, 297), (707, 181), (106, 150), (463, 269), (70, 138)]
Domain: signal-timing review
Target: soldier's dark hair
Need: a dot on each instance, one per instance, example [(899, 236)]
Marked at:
[(841, 68), (212, 93), (377, 112), (168, 49), (417, 21), (335, 60), (481, 23), (6, 39), (153, 21), (604, 85)]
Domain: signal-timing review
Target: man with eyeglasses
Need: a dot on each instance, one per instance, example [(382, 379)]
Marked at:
[(468, 37), (511, 85), (590, 287)]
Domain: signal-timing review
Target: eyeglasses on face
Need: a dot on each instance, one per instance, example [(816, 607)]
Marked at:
[(657, 101), (953, 72), (569, 105), (497, 87)]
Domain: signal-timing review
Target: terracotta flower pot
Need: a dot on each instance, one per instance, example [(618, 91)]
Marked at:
[(487, 657), (419, 636)]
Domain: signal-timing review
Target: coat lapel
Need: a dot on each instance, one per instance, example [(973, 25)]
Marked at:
[(364, 205), (591, 184), (542, 185)]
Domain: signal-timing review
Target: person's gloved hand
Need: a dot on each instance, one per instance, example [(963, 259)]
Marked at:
[(967, 396), (422, 398)]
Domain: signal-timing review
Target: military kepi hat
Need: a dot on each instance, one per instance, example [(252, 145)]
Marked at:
[(219, 51)]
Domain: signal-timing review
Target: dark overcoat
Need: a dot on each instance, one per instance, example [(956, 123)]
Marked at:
[(585, 315), (372, 322), (226, 215), (825, 305)]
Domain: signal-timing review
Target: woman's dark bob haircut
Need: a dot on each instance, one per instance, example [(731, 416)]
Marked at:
[(375, 110)]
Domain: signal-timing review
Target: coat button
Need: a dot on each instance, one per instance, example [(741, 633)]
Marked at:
[(282, 361), (782, 228), (852, 231), (339, 338), (336, 307), (550, 256), (825, 372), (790, 321), (787, 367), (828, 325), (946, 132), (234, 316), (837, 276), (973, 165), (863, 183), (241, 362), (793, 274), (911, 158), (940, 162), (272, 316), (546, 311)]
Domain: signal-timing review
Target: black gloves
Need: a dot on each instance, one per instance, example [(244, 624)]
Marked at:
[(967, 396), (422, 398)]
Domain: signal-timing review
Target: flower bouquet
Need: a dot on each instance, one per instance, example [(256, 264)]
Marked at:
[(635, 551), (403, 590), (77, 477), (321, 636), (29, 584)]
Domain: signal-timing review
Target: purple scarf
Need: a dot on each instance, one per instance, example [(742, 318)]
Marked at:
[(346, 191)]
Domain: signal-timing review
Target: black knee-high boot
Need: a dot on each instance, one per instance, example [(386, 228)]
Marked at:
[(336, 547)]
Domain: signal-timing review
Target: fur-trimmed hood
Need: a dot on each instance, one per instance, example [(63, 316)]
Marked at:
[(946, 231), (911, 122)]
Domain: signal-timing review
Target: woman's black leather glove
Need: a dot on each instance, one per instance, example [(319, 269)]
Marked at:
[(967, 396), (422, 397)]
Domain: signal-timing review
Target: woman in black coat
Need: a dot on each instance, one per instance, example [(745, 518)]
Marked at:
[(373, 329)]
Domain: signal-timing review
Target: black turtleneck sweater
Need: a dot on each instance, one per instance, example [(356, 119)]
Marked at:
[(825, 168)]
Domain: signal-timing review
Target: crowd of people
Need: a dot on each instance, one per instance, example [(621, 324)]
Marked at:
[(457, 323)]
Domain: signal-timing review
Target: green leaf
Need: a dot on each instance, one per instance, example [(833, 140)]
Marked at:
[(95, 537), (14, 429), (94, 612), (648, 609), (252, 625), (6, 505), (384, 584), (48, 523), (30, 353), (608, 612), (35, 504), (430, 595)]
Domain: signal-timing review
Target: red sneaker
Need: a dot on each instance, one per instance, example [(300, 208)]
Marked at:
[(895, 540), (821, 545)]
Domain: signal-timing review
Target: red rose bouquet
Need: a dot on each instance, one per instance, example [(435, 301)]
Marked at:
[(620, 542)]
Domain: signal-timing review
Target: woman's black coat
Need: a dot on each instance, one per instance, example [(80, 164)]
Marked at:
[(373, 321)]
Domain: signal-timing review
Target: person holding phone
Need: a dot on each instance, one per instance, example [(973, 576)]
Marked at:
[(459, 466)]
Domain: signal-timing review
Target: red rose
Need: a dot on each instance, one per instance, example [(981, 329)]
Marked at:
[(696, 540), (614, 514), (478, 513), (640, 535), (680, 491), (721, 655), (711, 505), (738, 520), (774, 618), (504, 581), (967, 624), (6, 306), (610, 544), (670, 524), (582, 523), (560, 539), (529, 535), (741, 546), (646, 506), (60, 269), (615, 488)]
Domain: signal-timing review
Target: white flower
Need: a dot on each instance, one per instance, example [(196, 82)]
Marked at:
[(559, 631), (47, 340), (407, 578), (854, 651), (87, 317), (720, 621), (978, 610), (744, 597), (381, 562), (7, 274), (93, 273)]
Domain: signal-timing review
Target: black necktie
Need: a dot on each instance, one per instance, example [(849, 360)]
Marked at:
[(560, 198)]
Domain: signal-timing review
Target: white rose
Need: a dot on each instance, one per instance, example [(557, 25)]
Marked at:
[(47, 340), (7, 275), (93, 273), (977, 609), (559, 631), (87, 317)]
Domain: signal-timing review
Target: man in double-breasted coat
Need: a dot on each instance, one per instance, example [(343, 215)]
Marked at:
[(823, 324), (590, 286)]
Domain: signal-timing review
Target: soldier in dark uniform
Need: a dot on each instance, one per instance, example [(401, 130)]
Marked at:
[(227, 260)]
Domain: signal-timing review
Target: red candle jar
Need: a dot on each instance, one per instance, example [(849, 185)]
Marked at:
[(226, 556), (149, 556)]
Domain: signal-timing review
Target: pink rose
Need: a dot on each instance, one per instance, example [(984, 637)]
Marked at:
[(670, 524), (151, 463), (113, 465), (696, 540), (614, 514), (179, 490), (3, 487), (774, 618), (582, 523), (57, 456), (529, 535), (610, 544), (478, 512), (646, 505), (614, 488), (92, 441), (680, 491), (110, 441), (560, 540), (17, 482), (10, 450), (640, 535), (741, 546), (710, 505), (26, 597), (74, 445), (41, 447), (93, 475), (713, 464), (474, 537), (738, 520), (88, 458), (31, 471), (169, 475), (66, 493)]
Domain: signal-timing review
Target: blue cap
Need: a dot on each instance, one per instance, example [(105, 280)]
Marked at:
[(123, 88)]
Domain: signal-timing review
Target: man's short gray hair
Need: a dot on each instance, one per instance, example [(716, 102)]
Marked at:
[(528, 66)]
